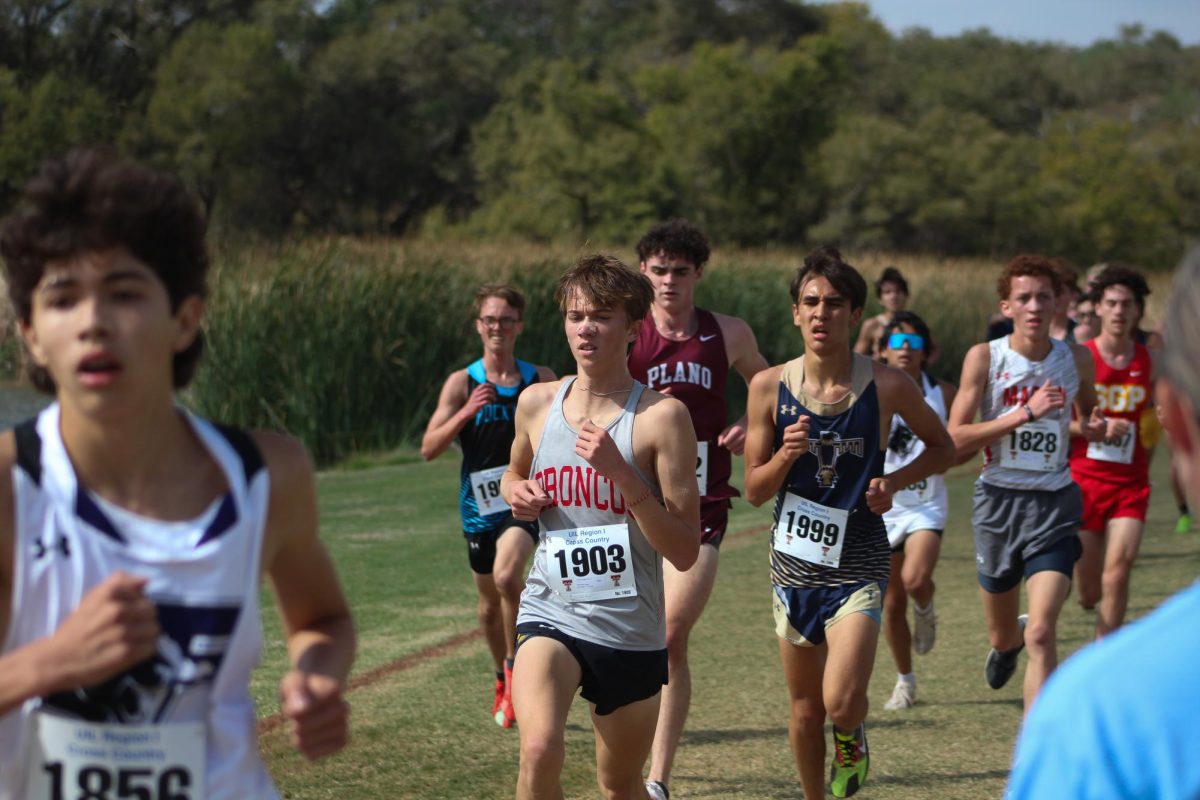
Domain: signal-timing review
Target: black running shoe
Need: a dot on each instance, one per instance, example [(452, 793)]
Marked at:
[(1001, 665)]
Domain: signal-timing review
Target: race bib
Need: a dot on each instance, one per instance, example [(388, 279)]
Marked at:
[(702, 467), (485, 485), (1118, 452), (79, 760), (914, 494), (810, 531), (587, 564), (1035, 446)]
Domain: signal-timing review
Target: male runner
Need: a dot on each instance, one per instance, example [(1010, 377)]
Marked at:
[(134, 535), (1119, 718), (477, 405), (687, 352), (892, 292), (608, 468), (1114, 474), (818, 432), (1026, 507), (918, 515)]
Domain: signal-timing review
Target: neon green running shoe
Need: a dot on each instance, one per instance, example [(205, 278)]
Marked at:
[(850, 762), (1184, 524)]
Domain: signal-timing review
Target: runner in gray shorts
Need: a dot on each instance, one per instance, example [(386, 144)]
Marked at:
[(1020, 532)]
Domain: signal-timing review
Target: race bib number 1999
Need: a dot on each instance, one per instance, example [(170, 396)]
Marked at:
[(94, 761), (811, 531), (586, 564)]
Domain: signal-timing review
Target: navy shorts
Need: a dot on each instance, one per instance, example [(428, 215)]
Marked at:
[(481, 547), (611, 678)]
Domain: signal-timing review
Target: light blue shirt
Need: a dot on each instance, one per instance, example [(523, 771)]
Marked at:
[(1120, 719)]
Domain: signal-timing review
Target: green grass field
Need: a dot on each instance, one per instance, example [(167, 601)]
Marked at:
[(420, 723)]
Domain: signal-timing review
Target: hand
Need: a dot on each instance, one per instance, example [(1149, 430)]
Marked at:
[(1095, 426), (114, 627), (733, 438), (527, 499), (596, 447), (481, 395), (879, 495), (1045, 399), (1116, 430), (795, 440), (318, 717)]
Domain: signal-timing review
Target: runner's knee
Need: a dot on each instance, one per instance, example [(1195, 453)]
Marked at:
[(542, 753), (1040, 636), (509, 582)]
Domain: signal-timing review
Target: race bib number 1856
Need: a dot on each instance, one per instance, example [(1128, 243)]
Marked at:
[(94, 761)]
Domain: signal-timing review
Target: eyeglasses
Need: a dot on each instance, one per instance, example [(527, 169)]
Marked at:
[(914, 340), (503, 323)]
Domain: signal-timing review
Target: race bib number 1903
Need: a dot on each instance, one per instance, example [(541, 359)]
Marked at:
[(586, 564), (94, 761)]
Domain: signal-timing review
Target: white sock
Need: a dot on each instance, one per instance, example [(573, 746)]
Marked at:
[(924, 610), (910, 678)]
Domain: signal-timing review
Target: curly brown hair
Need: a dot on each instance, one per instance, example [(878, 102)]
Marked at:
[(675, 239), (1028, 265), (91, 200)]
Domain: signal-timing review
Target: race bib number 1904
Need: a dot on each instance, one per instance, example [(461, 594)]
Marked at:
[(94, 761)]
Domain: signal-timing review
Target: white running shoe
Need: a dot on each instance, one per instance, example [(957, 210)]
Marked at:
[(656, 790), (924, 628), (903, 696)]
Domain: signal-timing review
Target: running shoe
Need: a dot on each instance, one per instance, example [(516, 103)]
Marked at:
[(1000, 666), (499, 696), (657, 790), (850, 762), (924, 628), (1184, 523), (903, 696), (504, 715)]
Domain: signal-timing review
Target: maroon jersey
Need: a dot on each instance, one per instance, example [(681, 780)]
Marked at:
[(695, 370)]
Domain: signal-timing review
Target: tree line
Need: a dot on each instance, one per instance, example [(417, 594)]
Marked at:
[(764, 121)]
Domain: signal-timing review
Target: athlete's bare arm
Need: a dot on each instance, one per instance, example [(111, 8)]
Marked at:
[(868, 337), (663, 434), (316, 618), (454, 410), (949, 392), (969, 435), (524, 496), (1089, 422), (766, 470), (899, 394), (114, 626), (742, 350)]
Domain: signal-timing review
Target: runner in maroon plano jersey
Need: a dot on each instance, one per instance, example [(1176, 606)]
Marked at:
[(687, 353)]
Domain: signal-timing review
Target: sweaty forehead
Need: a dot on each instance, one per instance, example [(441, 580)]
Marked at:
[(818, 286), (1031, 283)]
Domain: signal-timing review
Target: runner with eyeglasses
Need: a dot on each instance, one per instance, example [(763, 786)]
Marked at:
[(918, 515), (478, 406)]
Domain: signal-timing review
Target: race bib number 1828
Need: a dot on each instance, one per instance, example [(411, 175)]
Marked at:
[(1035, 446)]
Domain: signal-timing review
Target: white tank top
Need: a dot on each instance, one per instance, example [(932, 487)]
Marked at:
[(904, 446), (1034, 456), (204, 578)]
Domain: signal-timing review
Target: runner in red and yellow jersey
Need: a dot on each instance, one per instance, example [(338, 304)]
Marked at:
[(1113, 474)]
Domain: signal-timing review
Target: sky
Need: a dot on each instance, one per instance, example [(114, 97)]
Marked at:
[(1076, 22)]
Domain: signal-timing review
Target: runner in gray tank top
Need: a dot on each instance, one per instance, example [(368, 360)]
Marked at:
[(1027, 509), (607, 467)]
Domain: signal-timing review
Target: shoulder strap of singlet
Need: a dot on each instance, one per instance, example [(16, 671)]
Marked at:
[(246, 449), (29, 449), (476, 372), (529, 373)]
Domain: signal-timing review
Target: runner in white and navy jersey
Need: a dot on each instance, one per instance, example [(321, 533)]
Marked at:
[(1026, 507), (917, 518), (477, 405), (607, 467), (816, 443), (133, 535)]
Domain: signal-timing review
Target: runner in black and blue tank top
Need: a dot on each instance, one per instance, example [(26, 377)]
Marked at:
[(817, 431), (477, 407)]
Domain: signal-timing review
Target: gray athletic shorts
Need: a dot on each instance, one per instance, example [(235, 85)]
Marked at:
[(1015, 526)]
